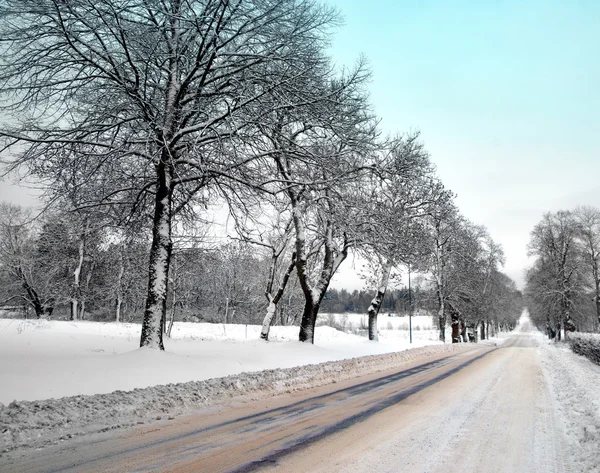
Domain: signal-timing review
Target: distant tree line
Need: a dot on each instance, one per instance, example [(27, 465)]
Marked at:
[(563, 285), (60, 268), (396, 301), (138, 116)]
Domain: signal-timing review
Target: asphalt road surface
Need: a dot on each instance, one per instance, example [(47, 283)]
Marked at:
[(484, 410)]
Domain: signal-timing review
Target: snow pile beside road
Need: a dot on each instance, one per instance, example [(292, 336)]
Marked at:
[(38, 423), (575, 382)]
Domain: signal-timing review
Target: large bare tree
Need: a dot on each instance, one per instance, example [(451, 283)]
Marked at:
[(554, 243), (136, 103), (320, 164)]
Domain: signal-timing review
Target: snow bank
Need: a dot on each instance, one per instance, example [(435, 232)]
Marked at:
[(38, 423), (575, 381), (52, 359)]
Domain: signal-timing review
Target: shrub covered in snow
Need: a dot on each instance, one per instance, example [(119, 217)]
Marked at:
[(586, 344)]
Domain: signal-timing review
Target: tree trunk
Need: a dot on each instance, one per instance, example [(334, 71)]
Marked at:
[(483, 330), (274, 299), (160, 258), (439, 281), (475, 330), (172, 315), (372, 313), (88, 278), (75, 309), (118, 309), (455, 321), (377, 301), (309, 319), (120, 287), (269, 316), (442, 318), (313, 294), (38, 308), (41, 310), (598, 301)]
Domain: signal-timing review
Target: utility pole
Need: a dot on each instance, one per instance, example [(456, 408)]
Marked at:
[(410, 308)]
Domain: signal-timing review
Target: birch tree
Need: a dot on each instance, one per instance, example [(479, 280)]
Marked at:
[(135, 103)]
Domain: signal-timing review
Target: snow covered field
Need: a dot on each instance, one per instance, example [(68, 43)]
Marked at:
[(42, 359)]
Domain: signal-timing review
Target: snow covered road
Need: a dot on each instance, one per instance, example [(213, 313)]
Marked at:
[(487, 409), (495, 414)]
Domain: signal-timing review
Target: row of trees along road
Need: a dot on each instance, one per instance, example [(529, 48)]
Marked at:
[(563, 285), (137, 116)]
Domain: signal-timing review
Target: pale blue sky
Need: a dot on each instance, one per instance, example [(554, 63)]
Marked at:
[(506, 95)]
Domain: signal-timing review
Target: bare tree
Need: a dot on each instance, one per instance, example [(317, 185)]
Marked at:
[(316, 154), (475, 258), (126, 253), (402, 192), (273, 233), (274, 293), (553, 242), (135, 103), (19, 261), (588, 219), (443, 223), (488, 287)]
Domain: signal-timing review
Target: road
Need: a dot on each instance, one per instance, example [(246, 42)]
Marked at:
[(486, 410)]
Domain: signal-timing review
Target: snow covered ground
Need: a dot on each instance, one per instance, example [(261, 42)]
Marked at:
[(575, 384), (51, 359), (42, 359), (38, 423)]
